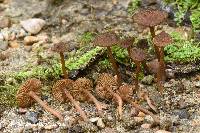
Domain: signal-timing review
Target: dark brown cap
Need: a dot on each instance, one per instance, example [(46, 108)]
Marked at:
[(162, 39), (127, 42), (149, 17), (60, 47), (79, 85), (59, 86), (126, 91), (106, 39), (137, 54), (22, 97)]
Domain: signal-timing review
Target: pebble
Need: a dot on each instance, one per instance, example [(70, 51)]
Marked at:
[(100, 123), (139, 119), (22, 110), (183, 113), (32, 117), (29, 40), (50, 127), (162, 131), (3, 45), (94, 119), (1, 37), (141, 114), (33, 25), (5, 22), (146, 125), (14, 44)]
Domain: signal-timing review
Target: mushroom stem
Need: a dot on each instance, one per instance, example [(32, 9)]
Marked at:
[(119, 101), (152, 31), (129, 51), (78, 108), (138, 69), (150, 103), (162, 64), (113, 62), (46, 106), (98, 104), (63, 65), (156, 119)]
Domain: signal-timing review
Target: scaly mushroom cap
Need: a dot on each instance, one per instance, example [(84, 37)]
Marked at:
[(153, 66), (106, 39), (126, 91), (125, 43), (60, 47), (57, 90), (79, 85), (105, 81), (149, 17), (137, 54), (162, 39), (22, 97)]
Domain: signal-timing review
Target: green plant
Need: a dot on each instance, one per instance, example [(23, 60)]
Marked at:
[(121, 54), (195, 19), (86, 38), (134, 5), (104, 64)]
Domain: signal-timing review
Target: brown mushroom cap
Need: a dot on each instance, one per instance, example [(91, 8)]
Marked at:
[(79, 85), (60, 47), (149, 17), (126, 91), (162, 39), (153, 66), (105, 81), (106, 39), (125, 43), (22, 97), (137, 54), (57, 90)]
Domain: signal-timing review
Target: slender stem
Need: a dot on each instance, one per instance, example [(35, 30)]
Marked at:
[(98, 104), (46, 106), (162, 64), (63, 65), (138, 69), (78, 108), (114, 65), (119, 101), (129, 51), (150, 103), (152, 31)]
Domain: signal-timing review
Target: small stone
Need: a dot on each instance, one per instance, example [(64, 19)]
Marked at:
[(50, 127), (94, 119), (139, 119), (29, 40), (100, 123), (21, 33), (32, 117), (162, 131), (197, 83), (141, 114), (33, 25), (170, 73), (5, 22), (14, 44), (148, 80), (1, 37), (183, 113), (22, 110), (146, 126), (3, 45)]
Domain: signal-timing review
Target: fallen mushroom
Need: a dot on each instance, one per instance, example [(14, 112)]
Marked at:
[(61, 48), (161, 40), (82, 88), (138, 56), (109, 39), (126, 93), (61, 92), (29, 92), (105, 89)]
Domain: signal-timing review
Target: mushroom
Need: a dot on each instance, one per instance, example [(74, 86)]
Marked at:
[(30, 92), (61, 92), (138, 56), (61, 48), (161, 40), (150, 18), (126, 93), (126, 43), (105, 89), (109, 39), (82, 88)]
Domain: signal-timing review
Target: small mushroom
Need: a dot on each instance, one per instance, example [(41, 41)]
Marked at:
[(109, 39), (105, 89), (138, 56), (150, 18), (82, 88), (61, 48), (126, 93), (61, 92), (161, 40), (29, 92)]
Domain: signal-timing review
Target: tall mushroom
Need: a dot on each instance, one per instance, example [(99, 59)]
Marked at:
[(82, 88), (105, 89), (30, 92), (138, 56), (161, 40), (61, 48), (109, 39), (61, 91), (126, 93), (150, 18)]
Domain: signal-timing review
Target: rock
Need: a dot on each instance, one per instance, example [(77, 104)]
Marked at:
[(139, 119), (146, 125), (4, 22), (94, 119), (147, 80), (3, 45), (32, 117), (141, 114), (14, 44), (100, 123), (183, 113), (1, 37), (162, 131), (29, 40), (50, 127), (33, 25), (170, 73), (21, 33), (22, 110), (197, 83)]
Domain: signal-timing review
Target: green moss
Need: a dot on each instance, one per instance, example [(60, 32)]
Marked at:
[(134, 5), (86, 38), (121, 54), (104, 64)]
